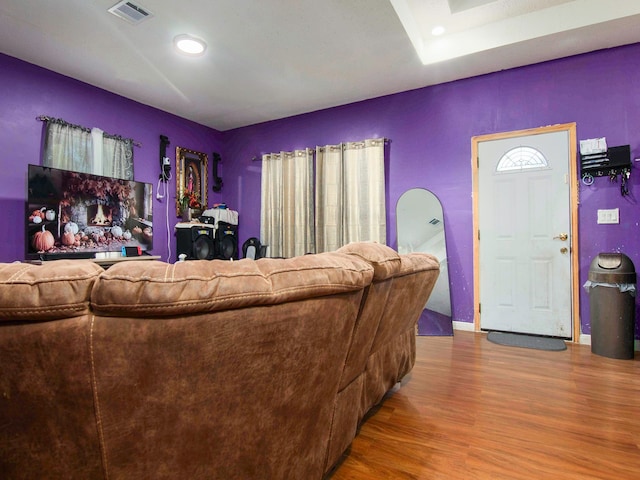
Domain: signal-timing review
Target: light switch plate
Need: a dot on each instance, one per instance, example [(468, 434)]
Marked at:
[(609, 216)]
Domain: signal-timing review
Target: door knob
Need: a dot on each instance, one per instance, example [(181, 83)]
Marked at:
[(562, 236), (564, 250)]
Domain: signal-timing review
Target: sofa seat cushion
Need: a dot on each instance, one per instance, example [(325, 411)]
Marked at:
[(156, 288), (51, 291)]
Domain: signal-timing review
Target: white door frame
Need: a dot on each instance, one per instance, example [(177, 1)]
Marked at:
[(570, 128)]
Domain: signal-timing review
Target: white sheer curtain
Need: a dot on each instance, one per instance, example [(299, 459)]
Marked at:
[(68, 147), (117, 157), (329, 198), (364, 198), (350, 194), (286, 214), (80, 149), (271, 204)]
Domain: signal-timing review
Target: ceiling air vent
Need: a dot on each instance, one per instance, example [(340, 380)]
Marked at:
[(130, 12)]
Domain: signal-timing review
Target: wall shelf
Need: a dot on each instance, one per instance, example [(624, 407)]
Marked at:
[(615, 161)]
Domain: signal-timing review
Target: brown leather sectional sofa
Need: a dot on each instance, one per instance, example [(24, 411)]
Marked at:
[(204, 369)]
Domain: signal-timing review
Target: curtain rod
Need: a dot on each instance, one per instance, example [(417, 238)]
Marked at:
[(45, 118), (362, 142)]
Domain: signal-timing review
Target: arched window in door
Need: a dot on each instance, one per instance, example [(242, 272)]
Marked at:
[(521, 158)]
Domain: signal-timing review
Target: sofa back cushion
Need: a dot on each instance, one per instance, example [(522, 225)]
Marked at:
[(217, 369), (157, 289), (412, 286), (54, 290), (46, 401), (385, 261)]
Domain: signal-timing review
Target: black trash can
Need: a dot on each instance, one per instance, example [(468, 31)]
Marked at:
[(612, 290)]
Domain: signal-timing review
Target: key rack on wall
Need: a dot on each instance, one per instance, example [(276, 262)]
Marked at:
[(612, 162)]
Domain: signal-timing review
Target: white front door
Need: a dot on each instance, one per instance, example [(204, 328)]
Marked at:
[(524, 233)]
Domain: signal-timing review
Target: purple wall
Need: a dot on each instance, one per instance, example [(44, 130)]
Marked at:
[(430, 131), (27, 91)]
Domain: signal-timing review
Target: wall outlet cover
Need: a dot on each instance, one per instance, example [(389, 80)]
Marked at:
[(610, 216)]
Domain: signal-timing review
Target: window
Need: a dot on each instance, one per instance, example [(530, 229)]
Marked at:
[(346, 205), (72, 147), (521, 158)]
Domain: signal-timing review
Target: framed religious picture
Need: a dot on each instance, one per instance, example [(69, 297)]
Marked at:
[(191, 180)]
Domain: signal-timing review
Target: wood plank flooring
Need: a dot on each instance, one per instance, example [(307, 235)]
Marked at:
[(471, 409)]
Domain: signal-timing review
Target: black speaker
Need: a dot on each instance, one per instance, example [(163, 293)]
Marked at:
[(197, 242), (252, 248), (226, 241)]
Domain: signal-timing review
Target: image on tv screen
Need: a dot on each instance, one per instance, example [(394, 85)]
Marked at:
[(71, 214)]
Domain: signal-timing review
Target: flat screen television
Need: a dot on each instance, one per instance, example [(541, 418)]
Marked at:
[(76, 215)]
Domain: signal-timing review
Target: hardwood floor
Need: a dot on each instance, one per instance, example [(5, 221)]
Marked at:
[(471, 409)]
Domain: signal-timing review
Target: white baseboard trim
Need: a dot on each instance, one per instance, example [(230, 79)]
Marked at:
[(466, 326), (584, 339)]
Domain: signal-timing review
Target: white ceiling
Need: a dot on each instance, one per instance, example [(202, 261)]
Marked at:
[(270, 59)]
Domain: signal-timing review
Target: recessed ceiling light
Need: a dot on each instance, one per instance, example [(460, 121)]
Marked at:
[(439, 30), (190, 45)]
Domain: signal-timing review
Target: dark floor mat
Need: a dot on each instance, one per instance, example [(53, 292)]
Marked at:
[(527, 341)]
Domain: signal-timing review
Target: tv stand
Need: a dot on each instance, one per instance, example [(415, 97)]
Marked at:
[(104, 262), (109, 261)]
